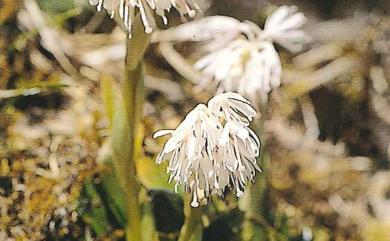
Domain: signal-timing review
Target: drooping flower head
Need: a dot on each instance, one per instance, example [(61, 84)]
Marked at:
[(128, 8), (240, 56), (213, 148)]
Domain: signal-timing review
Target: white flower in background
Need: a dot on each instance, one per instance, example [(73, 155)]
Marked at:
[(127, 10), (251, 68), (240, 56), (283, 27), (213, 148)]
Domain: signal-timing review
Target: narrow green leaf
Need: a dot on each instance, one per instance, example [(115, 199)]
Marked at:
[(108, 92), (92, 209), (114, 196), (147, 224)]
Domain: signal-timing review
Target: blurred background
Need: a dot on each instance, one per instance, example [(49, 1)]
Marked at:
[(327, 129)]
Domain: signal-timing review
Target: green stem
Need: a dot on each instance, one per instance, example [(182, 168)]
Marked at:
[(259, 188), (127, 132), (133, 95), (256, 223), (132, 89), (193, 223)]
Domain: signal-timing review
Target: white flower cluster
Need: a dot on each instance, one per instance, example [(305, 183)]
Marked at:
[(127, 10), (213, 148), (248, 67), (240, 55), (250, 64)]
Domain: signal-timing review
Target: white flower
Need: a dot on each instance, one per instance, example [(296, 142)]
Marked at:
[(128, 8), (240, 56), (249, 63), (251, 68), (283, 27), (213, 148)]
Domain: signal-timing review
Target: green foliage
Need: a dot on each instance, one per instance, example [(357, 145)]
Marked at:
[(113, 196), (151, 175), (102, 206), (108, 89), (92, 209), (148, 223), (165, 207)]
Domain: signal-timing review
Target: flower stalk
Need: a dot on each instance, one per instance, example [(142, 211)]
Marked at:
[(255, 223), (193, 222), (127, 131)]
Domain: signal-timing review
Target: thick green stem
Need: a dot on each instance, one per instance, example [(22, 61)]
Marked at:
[(133, 95), (193, 223), (127, 131)]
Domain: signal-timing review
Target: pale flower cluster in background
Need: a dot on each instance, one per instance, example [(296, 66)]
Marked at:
[(248, 67), (240, 56), (283, 26), (127, 10), (213, 148)]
